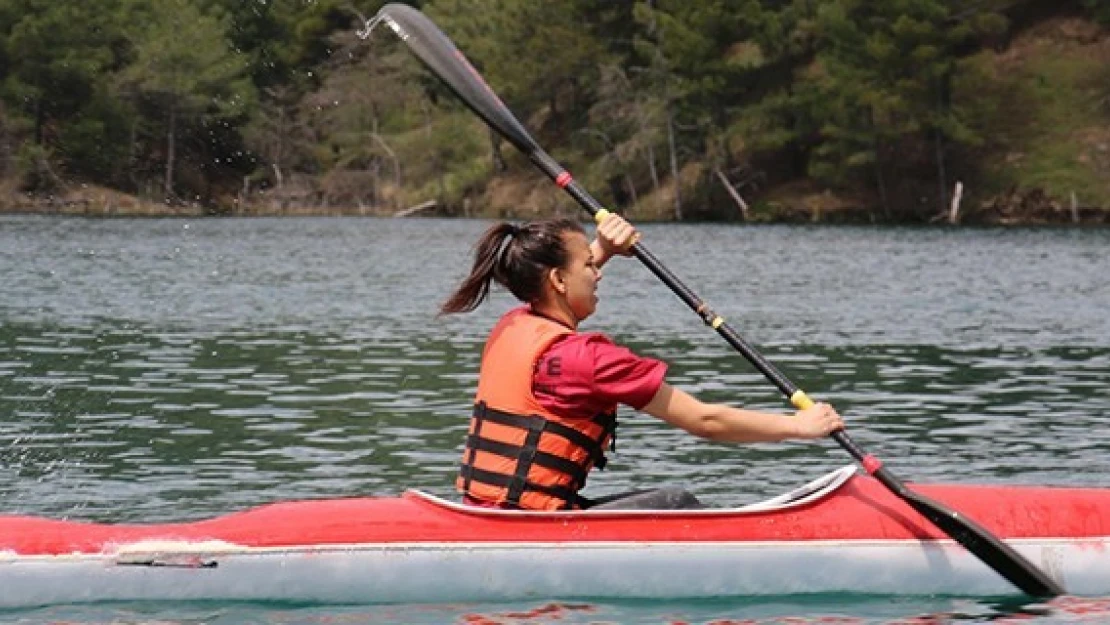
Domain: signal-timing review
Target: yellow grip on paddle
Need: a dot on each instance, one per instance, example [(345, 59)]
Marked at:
[(800, 400)]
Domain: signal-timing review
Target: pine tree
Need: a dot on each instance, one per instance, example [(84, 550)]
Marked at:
[(886, 84), (53, 57), (186, 69)]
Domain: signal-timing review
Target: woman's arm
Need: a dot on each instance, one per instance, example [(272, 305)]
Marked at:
[(720, 422)]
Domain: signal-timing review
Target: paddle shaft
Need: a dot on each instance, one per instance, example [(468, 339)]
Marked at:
[(439, 53)]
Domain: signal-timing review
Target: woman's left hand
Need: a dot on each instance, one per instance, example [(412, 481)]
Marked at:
[(818, 420)]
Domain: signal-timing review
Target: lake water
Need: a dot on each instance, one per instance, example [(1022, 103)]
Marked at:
[(174, 369)]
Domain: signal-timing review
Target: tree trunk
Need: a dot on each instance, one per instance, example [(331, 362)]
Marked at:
[(880, 179), (954, 211), (553, 104), (942, 174), (132, 154), (40, 121), (171, 139), (279, 186), (499, 165), (437, 165), (392, 158), (283, 137), (674, 166), (938, 139), (733, 193), (796, 152), (5, 148), (375, 188), (630, 187)]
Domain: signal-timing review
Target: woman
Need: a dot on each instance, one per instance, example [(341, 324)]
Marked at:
[(547, 394)]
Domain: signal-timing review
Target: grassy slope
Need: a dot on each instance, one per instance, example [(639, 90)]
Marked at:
[(1047, 120)]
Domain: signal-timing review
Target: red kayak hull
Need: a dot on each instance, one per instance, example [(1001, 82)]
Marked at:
[(842, 533)]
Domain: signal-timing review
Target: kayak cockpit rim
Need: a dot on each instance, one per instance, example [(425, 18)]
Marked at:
[(806, 494)]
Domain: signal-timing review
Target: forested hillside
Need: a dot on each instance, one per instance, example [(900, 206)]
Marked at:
[(841, 110)]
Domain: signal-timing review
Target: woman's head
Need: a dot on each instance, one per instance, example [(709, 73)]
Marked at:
[(521, 259)]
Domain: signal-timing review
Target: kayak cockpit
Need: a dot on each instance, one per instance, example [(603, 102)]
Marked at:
[(808, 493)]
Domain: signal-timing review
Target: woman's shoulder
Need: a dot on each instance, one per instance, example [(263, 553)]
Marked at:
[(593, 347), (583, 341), (603, 370)]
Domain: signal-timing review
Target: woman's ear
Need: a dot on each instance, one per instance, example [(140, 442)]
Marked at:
[(555, 279)]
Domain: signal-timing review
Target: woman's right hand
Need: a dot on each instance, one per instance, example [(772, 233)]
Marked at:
[(616, 235), (818, 420)]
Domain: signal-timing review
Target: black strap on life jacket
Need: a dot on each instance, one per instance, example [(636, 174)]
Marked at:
[(564, 493), (528, 453)]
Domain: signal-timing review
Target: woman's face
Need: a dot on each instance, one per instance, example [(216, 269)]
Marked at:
[(579, 276)]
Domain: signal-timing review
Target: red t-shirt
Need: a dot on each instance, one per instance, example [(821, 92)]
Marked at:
[(584, 374)]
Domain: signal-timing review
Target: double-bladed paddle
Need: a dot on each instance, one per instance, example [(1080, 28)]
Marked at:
[(441, 55)]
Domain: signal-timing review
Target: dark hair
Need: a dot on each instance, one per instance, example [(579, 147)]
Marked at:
[(516, 257)]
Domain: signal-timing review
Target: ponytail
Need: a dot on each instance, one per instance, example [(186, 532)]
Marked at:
[(516, 257), (475, 288)]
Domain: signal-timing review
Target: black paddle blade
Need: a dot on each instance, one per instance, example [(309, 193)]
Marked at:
[(439, 53), (975, 538)]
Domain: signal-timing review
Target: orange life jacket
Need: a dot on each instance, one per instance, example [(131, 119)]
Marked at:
[(519, 454)]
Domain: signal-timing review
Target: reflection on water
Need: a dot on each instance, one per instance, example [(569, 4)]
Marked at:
[(816, 609), (171, 369), (130, 424)]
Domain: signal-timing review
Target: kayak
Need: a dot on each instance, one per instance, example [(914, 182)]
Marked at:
[(841, 533)]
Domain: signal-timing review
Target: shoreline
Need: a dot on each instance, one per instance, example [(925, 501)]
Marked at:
[(1030, 209)]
